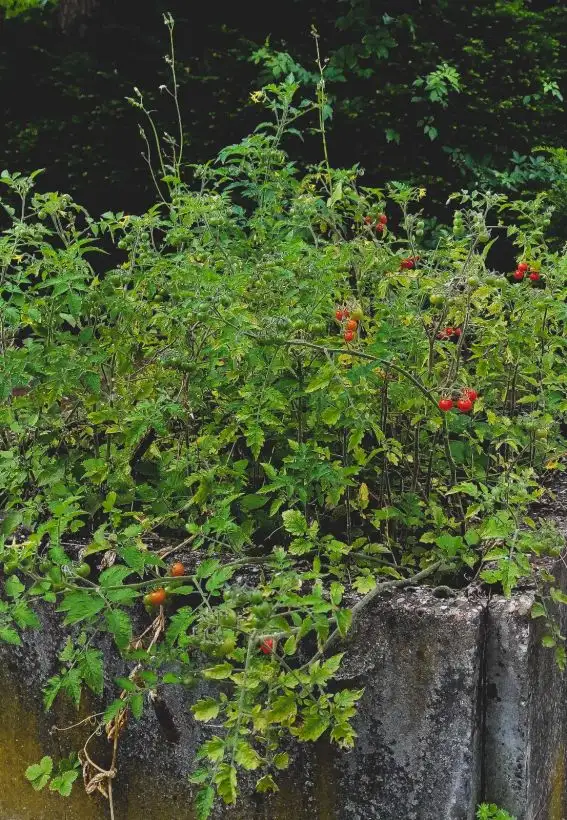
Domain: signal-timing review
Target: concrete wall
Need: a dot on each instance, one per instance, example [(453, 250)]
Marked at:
[(461, 704)]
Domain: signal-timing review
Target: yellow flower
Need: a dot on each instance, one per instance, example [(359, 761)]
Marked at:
[(257, 96)]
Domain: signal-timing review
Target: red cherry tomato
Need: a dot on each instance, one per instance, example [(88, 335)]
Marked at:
[(368, 220), (157, 597), (348, 335), (519, 275), (339, 315), (534, 276), (469, 393), (465, 405), (445, 404), (457, 331), (267, 646), (352, 324), (523, 267), (177, 570), (383, 219), (380, 227)]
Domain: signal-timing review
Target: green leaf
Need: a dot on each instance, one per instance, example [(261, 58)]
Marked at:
[(91, 668), (294, 522), (284, 709), (114, 576), (205, 710), (548, 641), (281, 760), (119, 625), (137, 705), (266, 784), (337, 592), (538, 611), (218, 672), (9, 635), (206, 568), (63, 783), (313, 727), (344, 621), (80, 606), (204, 803), (225, 780), (212, 749), (13, 587), (320, 381), (364, 583), (25, 617), (331, 415), (246, 756), (39, 773)]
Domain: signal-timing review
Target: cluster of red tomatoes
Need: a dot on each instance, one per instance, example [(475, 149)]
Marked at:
[(450, 333), (465, 403), (349, 320), (378, 224), (524, 270), (409, 263)]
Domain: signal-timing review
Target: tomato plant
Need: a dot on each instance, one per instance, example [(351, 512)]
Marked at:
[(198, 388)]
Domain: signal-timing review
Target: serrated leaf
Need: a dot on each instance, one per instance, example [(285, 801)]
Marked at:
[(344, 621), (312, 728), (212, 749), (25, 617), (119, 625), (13, 587), (225, 780), (9, 635), (91, 668), (137, 705), (246, 756), (80, 606), (206, 568), (284, 709), (336, 593), (538, 611), (364, 583), (331, 415), (294, 522), (281, 760), (218, 672), (266, 784), (205, 710), (204, 803), (114, 576), (63, 783)]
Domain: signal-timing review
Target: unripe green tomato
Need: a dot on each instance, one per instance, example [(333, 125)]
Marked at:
[(473, 281), (262, 610), (419, 233), (357, 314), (55, 575), (541, 433), (319, 327), (420, 225), (228, 618), (483, 237), (226, 301), (256, 597), (299, 324), (437, 299), (83, 570)]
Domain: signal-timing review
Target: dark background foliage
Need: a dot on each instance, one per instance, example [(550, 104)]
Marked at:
[(66, 69)]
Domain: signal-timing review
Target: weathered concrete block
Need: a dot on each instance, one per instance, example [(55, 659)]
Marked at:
[(461, 704), (524, 766)]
